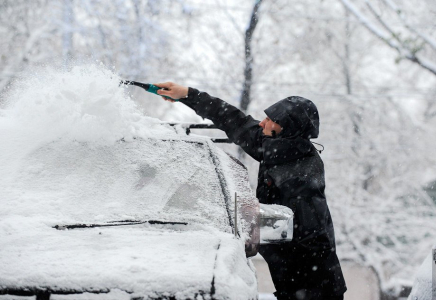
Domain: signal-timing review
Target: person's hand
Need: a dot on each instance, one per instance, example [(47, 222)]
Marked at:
[(172, 90)]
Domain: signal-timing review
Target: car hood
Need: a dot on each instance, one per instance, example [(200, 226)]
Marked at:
[(145, 260)]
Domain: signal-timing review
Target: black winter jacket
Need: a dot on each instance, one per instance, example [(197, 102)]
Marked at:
[(291, 173)]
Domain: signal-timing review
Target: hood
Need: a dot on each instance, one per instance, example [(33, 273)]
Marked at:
[(140, 259), (130, 258), (297, 116)]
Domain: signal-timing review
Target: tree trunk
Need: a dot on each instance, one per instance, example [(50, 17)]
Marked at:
[(67, 36), (248, 71), (245, 96), (347, 72)]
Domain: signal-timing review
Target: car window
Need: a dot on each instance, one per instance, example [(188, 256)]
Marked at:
[(170, 180)]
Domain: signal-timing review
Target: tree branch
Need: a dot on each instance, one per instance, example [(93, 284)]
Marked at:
[(430, 41), (20, 57), (387, 38), (232, 20), (384, 24)]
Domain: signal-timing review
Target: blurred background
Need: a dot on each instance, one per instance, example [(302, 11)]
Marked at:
[(369, 66)]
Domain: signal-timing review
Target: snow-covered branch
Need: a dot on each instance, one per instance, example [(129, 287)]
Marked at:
[(431, 42), (391, 38), (21, 56)]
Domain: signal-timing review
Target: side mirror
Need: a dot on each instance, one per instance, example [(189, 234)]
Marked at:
[(276, 224)]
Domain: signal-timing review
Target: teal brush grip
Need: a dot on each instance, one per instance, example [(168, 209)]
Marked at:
[(153, 89)]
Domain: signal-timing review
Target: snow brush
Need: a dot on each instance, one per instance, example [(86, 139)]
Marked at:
[(151, 88)]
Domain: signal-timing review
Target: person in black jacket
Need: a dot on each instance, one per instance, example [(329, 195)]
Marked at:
[(291, 173)]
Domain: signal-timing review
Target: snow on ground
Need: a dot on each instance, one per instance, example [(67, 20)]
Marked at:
[(77, 150)]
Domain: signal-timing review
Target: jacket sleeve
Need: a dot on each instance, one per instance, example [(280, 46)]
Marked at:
[(241, 129)]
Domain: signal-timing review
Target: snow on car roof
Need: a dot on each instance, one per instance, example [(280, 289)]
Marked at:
[(71, 182), (80, 151)]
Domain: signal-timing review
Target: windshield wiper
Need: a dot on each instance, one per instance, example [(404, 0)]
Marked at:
[(117, 223)]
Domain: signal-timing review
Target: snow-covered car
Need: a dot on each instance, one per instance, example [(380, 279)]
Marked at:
[(424, 286), (144, 219)]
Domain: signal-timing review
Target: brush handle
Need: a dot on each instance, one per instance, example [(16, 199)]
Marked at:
[(151, 88)]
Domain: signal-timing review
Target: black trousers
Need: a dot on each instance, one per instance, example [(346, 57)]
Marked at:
[(304, 294), (304, 276)]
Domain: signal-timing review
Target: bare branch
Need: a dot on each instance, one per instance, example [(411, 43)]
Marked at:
[(387, 38), (21, 56), (383, 23), (232, 20), (429, 40)]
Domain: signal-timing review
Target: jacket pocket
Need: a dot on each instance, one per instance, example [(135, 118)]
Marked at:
[(306, 214), (310, 230)]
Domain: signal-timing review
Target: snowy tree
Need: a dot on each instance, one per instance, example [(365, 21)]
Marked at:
[(125, 35), (376, 145), (375, 173), (411, 41), (24, 32)]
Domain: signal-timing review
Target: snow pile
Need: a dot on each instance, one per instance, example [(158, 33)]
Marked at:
[(61, 148), (85, 104)]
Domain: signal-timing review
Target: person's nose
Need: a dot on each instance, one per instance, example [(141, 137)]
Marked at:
[(262, 124)]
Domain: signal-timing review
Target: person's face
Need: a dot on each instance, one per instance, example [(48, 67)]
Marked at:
[(268, 126)]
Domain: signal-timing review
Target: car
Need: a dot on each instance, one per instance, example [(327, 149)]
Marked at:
[(424, 286), (167, 217)]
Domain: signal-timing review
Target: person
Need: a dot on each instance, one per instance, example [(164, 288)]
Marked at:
[(291, 173)]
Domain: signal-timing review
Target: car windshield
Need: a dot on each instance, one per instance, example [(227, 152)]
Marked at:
[(151, 179)]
